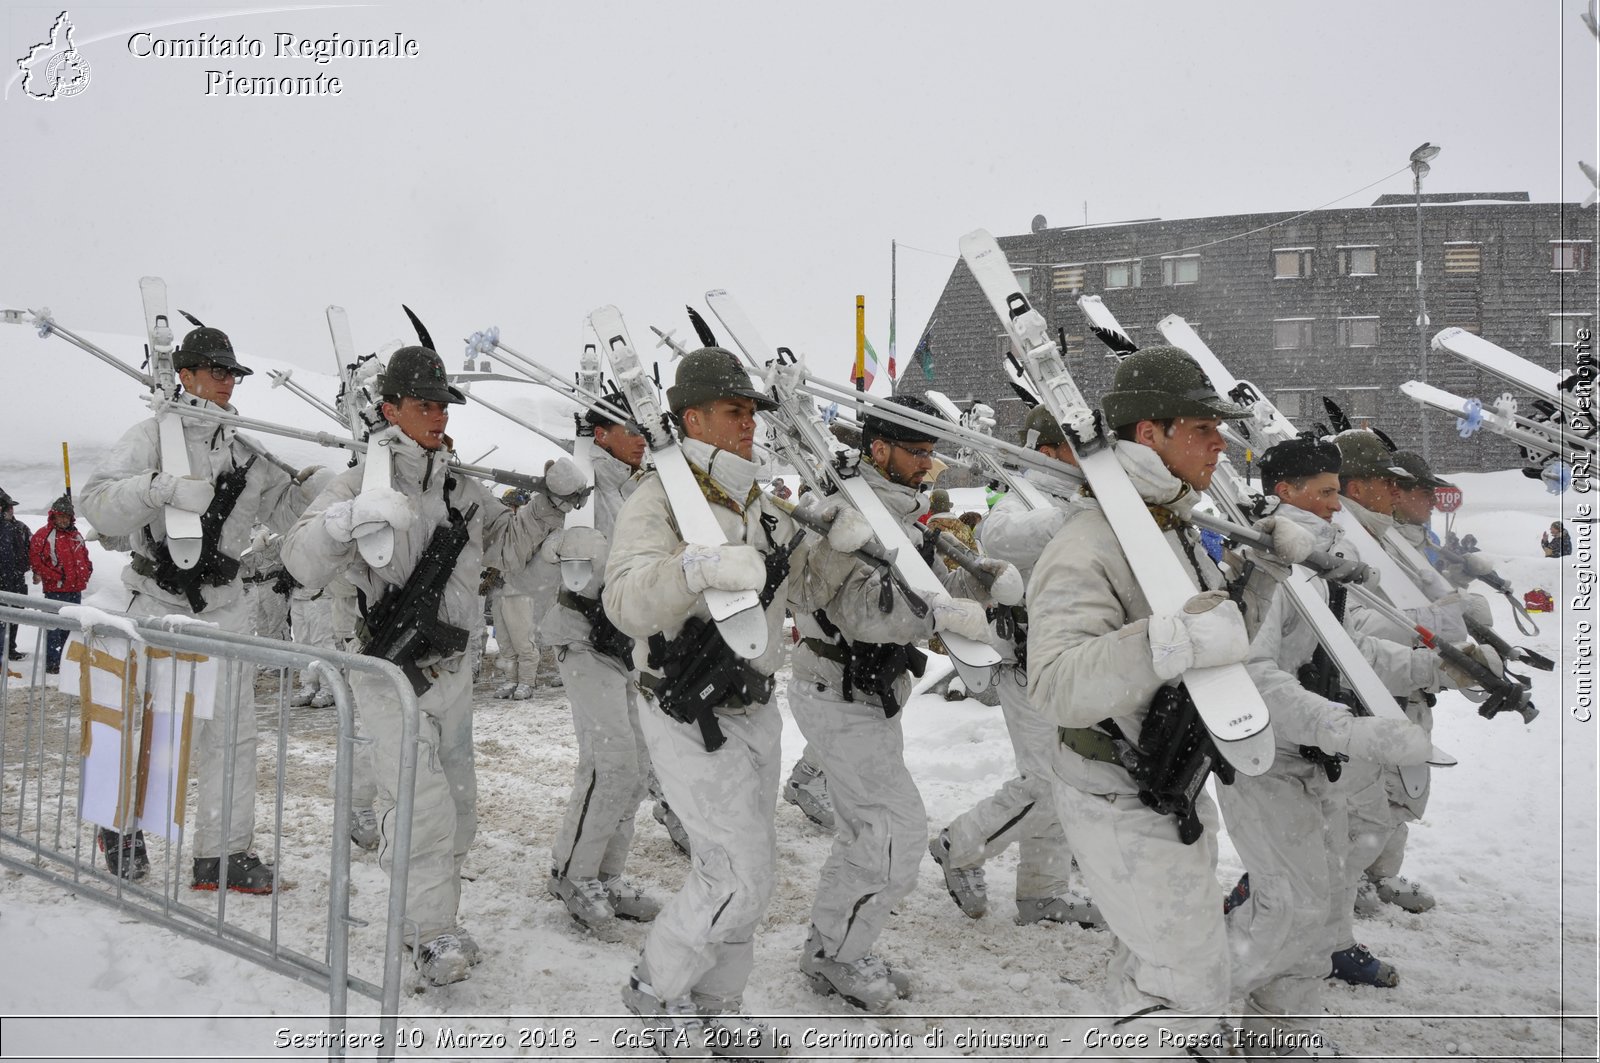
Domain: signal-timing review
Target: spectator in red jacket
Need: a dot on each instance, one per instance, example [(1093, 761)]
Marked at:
[(61, 564)]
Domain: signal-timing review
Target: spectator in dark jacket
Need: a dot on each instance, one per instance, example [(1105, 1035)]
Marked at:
[(1556, 541), (61, 564), (13, 561)]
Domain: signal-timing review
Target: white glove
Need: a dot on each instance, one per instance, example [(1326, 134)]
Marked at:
[(1290, 542), (306, 473), (1379, 740), (563, 478), (848, 531), (1007, 588), (729, 567), (186, 492), (1476, 565), (366, 513), (1475, 607), (582, 544), (959, 616), (1207, 632), (1459, 677), (1443, 618)]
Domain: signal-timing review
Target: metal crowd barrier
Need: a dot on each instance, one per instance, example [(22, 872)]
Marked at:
[(43, 834)]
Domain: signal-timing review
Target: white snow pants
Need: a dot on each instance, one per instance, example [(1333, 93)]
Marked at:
[(1162, 901), (702, 944), (613, 765), (364, 782), (881, 827), (444, 816), (1023, 809), (1380, 809), (211, 753), (1291, 830), (516, 635), (311, 622), (271, 612)]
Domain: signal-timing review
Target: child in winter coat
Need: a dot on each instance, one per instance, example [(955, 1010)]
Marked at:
[(61, 564)]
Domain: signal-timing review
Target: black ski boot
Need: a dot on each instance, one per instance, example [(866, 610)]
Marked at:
[(246, 873), (126, 856)]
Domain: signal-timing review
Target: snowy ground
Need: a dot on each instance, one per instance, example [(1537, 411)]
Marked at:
[(1508, 846)]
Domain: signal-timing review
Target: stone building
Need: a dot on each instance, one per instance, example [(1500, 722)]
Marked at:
[(1304, 305)]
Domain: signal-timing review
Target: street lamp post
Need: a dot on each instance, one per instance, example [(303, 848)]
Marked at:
[(1419, 167)]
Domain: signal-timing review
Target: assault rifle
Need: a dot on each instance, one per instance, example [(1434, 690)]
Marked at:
[(404, 627), (1174, 757), (700, 671)]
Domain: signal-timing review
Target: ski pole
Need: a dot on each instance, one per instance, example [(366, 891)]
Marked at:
[(873, 554), (1507, 691), (281, 378)]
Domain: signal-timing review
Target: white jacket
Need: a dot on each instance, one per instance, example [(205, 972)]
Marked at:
[(646, 591), (614, 481), (900, 625), (1285, 641), (118, 499), (1088, 648), (497, 536)]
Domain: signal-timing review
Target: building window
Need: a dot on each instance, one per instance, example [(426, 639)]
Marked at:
[(1569, 256), (1292, 404), (1024, 280), (1290, 262), (1291, 333), (1067, 279), (1358, 331), (1180, 269), (1358, 261), (1463, 258), (1124, 274), (1564, 328)]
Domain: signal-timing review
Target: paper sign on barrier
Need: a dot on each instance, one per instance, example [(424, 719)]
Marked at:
[(139, 704)]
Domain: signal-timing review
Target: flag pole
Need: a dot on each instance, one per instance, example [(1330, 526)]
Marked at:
[(861, 343), (894, 249)]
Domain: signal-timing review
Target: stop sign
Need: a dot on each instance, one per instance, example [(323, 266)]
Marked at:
[(1447, 499)]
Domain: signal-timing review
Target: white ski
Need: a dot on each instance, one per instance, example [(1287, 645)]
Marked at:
[(1541, 441), (376, 547), (184, 532), (738, 615), (1517, 371), (975, 661), (1226, 699), (577, 562), (1232, 495)]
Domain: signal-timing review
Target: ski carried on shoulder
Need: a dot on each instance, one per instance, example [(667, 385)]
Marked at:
[(376, 547), (1268, 426), (1225, 698), (576, 554), (1232, 495), (975, 661), (1519, 372), (1408, 584), (184, 531), (738, 614), (1544, 444)]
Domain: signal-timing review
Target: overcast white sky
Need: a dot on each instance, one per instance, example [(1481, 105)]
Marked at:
[(539, 159)]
